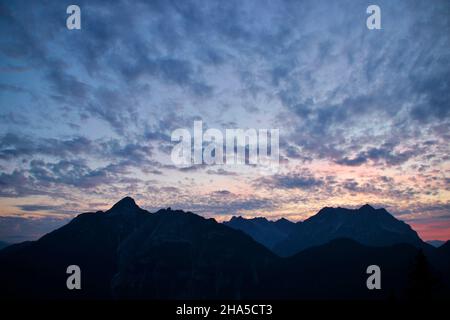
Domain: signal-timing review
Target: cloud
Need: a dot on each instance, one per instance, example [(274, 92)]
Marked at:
[(229, 207), (58, 209), (73, 173), (17, 184), (14, 146), (221, 172), (382, 155), (304, 181)]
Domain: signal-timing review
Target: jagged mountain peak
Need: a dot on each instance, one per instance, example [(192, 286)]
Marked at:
[(264, 231), (126, 205), (339, 211), (367, 207), (126, 202), (255, 219), (172, 211), (365, 225)]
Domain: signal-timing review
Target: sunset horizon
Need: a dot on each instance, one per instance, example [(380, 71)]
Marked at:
[(88, 114)]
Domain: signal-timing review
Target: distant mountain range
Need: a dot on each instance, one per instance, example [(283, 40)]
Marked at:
[(127, 252), (436, 243), (268, 233), (366, 225)]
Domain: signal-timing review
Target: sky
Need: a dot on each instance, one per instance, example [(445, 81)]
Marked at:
[(86, 115)]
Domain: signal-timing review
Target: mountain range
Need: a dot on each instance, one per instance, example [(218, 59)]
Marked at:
[(129, 253), (269, 233), (436, 243), (366, 225), (3, 244)]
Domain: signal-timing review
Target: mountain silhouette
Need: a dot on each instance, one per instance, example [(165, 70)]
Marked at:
[(182, 255), (126, 206), (366, 225), (266, 232), (337, 270), (436, 243), (445, 248), (130, 253), (3, 244)]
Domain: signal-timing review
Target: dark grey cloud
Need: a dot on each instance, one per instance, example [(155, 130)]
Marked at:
[(74, 151), (221, 172), (305, 181), (17, 184), (58, 209), (230, 206), (73, 173), (385, 76), (292, 40), (36, 207), (15, 146), (384, 155)]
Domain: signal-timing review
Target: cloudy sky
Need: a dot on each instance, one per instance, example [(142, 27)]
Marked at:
[(86, 115)]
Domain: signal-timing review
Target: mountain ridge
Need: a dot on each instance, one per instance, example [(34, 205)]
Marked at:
[(173, 254), (365, 225), (264, 231)]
